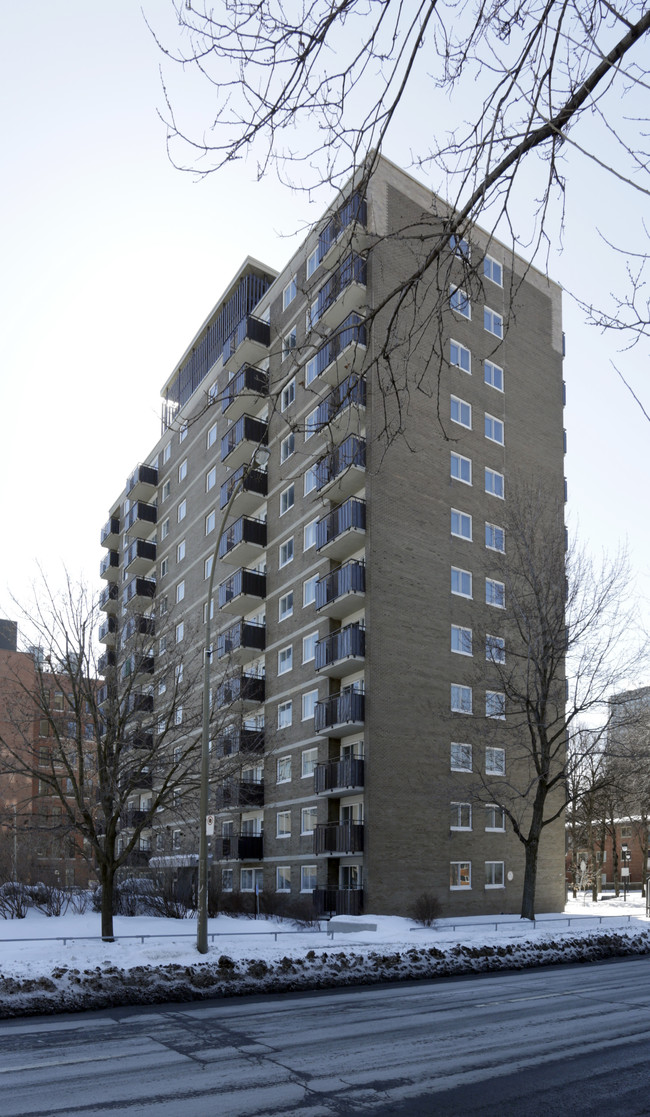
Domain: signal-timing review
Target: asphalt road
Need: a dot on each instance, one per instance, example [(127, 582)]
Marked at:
[(571, 1040)]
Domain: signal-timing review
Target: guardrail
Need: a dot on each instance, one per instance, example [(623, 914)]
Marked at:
[(526, 924), (163, 935)]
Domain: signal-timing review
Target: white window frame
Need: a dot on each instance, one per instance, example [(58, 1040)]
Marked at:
[(308, 873), (283, 878), (167, 452), (289, 293), (166, 491), (180, 551), (459, 302), (493, 270), (495, 705), (180, 631), (283, 824), (313, 260), (495, 649), (287, 499), (285, 660), (288, 394), (164, 567), (182, 470), (461, 640), (456, 759), (212, 436), (461, 465), (287, 447), (458, 575), (311, 371), (285, 714), (312, 812), (492, 372), (309, 535), (495, 761), (463, 517), (207, 567), (308, 701), (309, 647), (458, 814), (182, 511), (492, 812), (285, 606), (458, 414), (182, 434), (180, 591), (310, 480), (283, 770), (496, 865), (285, 552), (210, 521), (492, 534), (493, 482), (495, 429), (308, 762), (461, 699), (210, 479), (290, 342), (460, 876), (460, 356), (309, 591), (311, 424), (164, 529), (495, 593), (493, 322)]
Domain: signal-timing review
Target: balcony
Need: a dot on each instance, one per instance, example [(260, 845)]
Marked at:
[(242, 847), (243, 542), (132, 817), (240, 738), (241, 440), (142, 483), (343, 293), (240, 793), (140, 519), (245, 689), (137, 859), (343, 472), (109, 567), (342, 531), (339, 409), (251, 486), (139, 626), (337, 776), (342, 651), (139, 590), (109, 598), (242, 642), (138, 702), (247, 391), (338, 837), (342, 354), (106, 661), (140, 557), (346, 226), (342, 590), (141, 740), (338, 901), (137, 665), (242, 591), (249, 342), (110, 533), (108, 631), (340, 714)]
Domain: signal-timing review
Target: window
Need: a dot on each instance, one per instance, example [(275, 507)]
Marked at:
[(461, 412), (495, 762), (167, 452), (309, 647), (286, 553), (283, 769), (210, 522), (180, 551), (285, 714), (492, 270), (287, 499), (178, 716), (311, 371), (308, 820), (205, 611), (288, 395), (460, 874), (287, 447), (495, 538), (461, 524), (309, 701), (182, 470), (285, 660), (180, 592), (459, 246), (495, 817), (493, 375), (494, 429), (162, 645), (180, 631), (207, 567), (313, 260), (285, 607), (309, 535), (495, 649), (494, 877), (309, 591), (460, 816), (461, 640), (495, 593), (282, 878), (459, 356), (311, 480), (164, 567), (178, 672), (283, 824), (461, 699), (495, 704), (289, 342), (494, 482), (166, 490), (251, 880), (176, 839), (307, 878), (461, 468), (461, 582), (308, 762), (162, 686), (461, 758), (311, 424), (212, 435), (289, 293), (164, 529), (459, 301), (182, 432), (210, 478), (492, 322), (226, 880), (182, 510)]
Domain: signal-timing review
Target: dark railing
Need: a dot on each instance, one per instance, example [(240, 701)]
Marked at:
[(107, 628), (139, 587), (109, 593), (138, 858), (246, 429), (350, 391), (244, 530), (140, 548), (350, 452), (243, 581), (139, 626), (138, 665), (132, 817), (350, 514), (240, 793), (347, 772), (342, 644), (142, 474), (248, 379), (240, 740), (249, 481), (106, 661), (338, 709), (243, 634), (112, 559), (338, 901), (240, 847), (139, 703), (141, 739), (349, 578), (352, 330), (352, 270), (111, 527), (250, 327), (338, 837), (244, 687), (140, 513), (353, 211)]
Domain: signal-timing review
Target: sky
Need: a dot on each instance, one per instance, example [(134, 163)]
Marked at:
[(112, 259)]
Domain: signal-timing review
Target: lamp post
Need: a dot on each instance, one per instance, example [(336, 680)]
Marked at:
[(625, 872)]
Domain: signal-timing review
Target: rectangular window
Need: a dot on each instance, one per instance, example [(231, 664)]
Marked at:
[(178, 718), (495, 705), (459, 356), (287, 499), (289, 342), (309, 701), (313, 260), (495, 762), (461, 757), (210, 478), (287, 447), (309, 535), (494, 429), (182, 510), (288, 395), (285, 607), (494, 483), (167, 452), (308, 762), (461, 699), (494, 876), (492, 270), (207, 567), (459, 246), (492, 322), (226, 880), (180, 551), (180, 631), (285, 714), (460, 816), (459, 301), (162, 645), (461, 412), (308, 820), (182, 432), (461, 468), (180, 592), (210, 522), (495, 593), (311, 480), (251, 880), (285, 660), (311, 371), (164, 529), (182, 470), (282, 878), (309, 647), (495, 817), (495, 649), (166, 490), (461, 582), (461, 640), (460, 874), (493, 375), (495, 538), (309, 591), (289, 293), (283, 824), (283, 769), (311, 424), (461, 524), (307, 878), (212, 435), (164, 567), (285, 553)]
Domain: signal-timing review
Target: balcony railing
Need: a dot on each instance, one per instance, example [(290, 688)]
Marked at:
[(240, 739), (351, 392), (351, 270), (338, 901), (333, 715), (352, 331), (133, 817), (338, 774), (109, 596), (245, 533), (347, 580), (139, 703), (239, 439), (240, 847), (245, 635), (107, 631), (249, 381), (245, 687), (242, 584), (354, 211), (106, 661), (352, 452), (109, 566), (250, 330), (349, 516), (340, 651), (110, 532), (142, 482), (140, 518), (139, 588), (251, 483), (240, 793), (139, 626), (338, 837), (140, 556)]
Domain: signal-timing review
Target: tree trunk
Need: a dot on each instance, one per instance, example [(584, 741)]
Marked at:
[(530, 879), (107, 877)]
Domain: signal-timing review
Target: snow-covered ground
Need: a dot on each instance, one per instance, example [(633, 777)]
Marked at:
[(39, 972)]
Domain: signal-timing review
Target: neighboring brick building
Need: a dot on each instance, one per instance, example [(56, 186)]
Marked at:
[(337, 631)]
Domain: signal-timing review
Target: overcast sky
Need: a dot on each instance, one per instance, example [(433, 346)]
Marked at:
[(111, 259)]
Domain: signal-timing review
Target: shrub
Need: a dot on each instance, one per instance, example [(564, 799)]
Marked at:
[(425, 909), (14, 900), (51, 900)]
